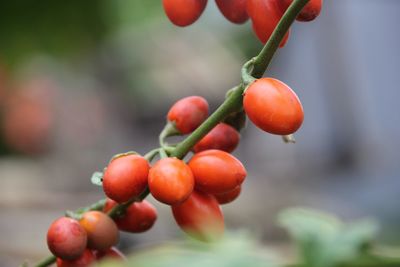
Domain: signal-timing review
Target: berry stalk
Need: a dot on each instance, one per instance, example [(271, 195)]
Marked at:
[(264, 58)]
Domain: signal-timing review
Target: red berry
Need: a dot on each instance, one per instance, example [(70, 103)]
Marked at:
[(223, 137), (101, 230), (126, 177), (139, 216), (171, 181), (111, 253), (228, 197), (273, 106), (184, 12), (216, 171), (233, 10), (308, 13), (200, 217), (265, 15), (66, 238), (85, 260), (188, 113)]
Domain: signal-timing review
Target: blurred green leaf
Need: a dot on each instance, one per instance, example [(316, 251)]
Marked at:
[(323, 240), (234, 251), (50, 27)]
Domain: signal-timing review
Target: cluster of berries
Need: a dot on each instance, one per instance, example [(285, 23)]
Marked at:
[(83, 242), (194, 190), (264, 14)]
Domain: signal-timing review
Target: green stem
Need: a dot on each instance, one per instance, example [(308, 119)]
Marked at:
[(169, 130), (46, 262), (120, 209), (232, 103), (151, 154), (265, 56)]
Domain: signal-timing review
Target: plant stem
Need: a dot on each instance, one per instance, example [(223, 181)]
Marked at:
[(232, 103), (46, 262), (265, 56), (120, 209), (169, 130)]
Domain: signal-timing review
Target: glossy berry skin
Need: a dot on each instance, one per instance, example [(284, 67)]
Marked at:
[(228, 197), (138, 218), (125, 177), (265, 15), (233, 10), (188, 113), (308, 13), (200, 217), (273, 107), (171, 181), (223, 137), (184, 12), (216, 171), (101, 230), (85, 260), (66, 238), (111, 253)]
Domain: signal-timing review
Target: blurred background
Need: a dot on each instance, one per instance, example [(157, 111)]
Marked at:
[(83, 80)]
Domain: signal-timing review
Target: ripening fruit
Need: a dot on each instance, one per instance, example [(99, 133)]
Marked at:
[(200, 217), (85, 260), (216, 171), (188, 113), (139, 216), (184, 12), (308, 13), (233, 10), (66, 238), (273, 106), (171, 181), (111, 253), (265, 15), (223, 137), (125, 177), (102, 232), (228, 197)]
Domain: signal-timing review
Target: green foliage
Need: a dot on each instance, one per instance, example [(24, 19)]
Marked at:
[(323, 240), (234, 251), (55, 27)]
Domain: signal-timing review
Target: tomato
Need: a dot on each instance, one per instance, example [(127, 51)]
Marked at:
[(233, 10), (308, 13), (101, 230), (171, 181), (66, 238), (85, 260), (139, 216), (265, 15), (188, 113), (111, 253), (200, 217), (184, 12), (216, 171), (228, 197), (125, 177), (223, 137), (273, 106)]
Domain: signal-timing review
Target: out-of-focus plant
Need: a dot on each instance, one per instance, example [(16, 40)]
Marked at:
[(322, 241)]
